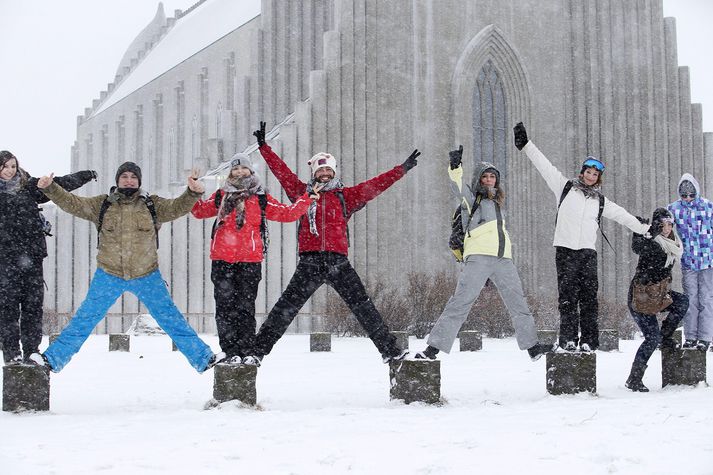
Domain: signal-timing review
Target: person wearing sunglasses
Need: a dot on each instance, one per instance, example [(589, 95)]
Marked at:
[(693, 217), (581, 206)]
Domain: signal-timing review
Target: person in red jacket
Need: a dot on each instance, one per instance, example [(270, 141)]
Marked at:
[(237, 250), (323, 246)]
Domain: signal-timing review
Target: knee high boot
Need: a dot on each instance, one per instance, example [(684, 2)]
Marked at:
[(637, 373)]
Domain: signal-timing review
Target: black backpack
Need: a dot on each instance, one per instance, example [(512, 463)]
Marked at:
[(147, 201), (565, 190), (264, 233), (455, 242)]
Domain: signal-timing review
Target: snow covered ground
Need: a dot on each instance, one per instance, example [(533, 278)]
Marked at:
[(323, 413)]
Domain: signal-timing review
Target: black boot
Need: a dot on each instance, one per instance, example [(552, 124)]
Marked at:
[(637, 373), (428, 354)]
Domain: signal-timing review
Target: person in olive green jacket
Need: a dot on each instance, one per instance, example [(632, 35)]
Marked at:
[(127, 222)]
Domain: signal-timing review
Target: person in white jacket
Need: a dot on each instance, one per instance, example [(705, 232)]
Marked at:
[(581, 205)]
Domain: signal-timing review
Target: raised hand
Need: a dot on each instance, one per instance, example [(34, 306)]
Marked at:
[(45, 181), (520, 135), (456, 157), (193, 183), (411, 161), (260, 134), (314, 195)]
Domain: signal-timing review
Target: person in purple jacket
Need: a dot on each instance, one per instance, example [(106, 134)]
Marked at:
[(693, 217)]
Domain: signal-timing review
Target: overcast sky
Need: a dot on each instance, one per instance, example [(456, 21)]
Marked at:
[(55, 57)]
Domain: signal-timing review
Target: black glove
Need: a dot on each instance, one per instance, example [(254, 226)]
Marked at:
[(520, 136), (656, 229), (260, 134), (642, 220), (411, 160), (94, 175), (87, 175), (456, 157)]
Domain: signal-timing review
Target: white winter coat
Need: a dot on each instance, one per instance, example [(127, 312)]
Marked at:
[(577, 219)]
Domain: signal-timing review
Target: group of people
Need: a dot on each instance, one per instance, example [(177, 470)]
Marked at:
[(128, 219)]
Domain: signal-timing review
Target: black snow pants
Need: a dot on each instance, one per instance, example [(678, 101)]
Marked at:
[(578, 284), (313, 270), (22, 294), (235, 289)]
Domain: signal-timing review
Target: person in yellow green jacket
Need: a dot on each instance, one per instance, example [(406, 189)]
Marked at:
[(487, 254), (127, 222)]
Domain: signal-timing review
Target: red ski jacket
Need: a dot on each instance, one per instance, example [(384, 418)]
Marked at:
[(231, 244), (330, 220)]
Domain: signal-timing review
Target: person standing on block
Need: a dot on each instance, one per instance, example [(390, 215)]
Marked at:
[(487, 254), (693, 217), (23, 230), (323, 242), (238, 245), (657, 255), (580, 208), (127, 221)]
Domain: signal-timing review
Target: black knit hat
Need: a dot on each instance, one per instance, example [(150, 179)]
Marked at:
[(128, 167), (660, 214)]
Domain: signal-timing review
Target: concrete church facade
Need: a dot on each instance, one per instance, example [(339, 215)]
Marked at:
[(369, 81)]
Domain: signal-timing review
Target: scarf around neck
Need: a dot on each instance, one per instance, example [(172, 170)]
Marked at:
[(333, 184), (12, 185), (672, 247), (235, 192), (589, 191)]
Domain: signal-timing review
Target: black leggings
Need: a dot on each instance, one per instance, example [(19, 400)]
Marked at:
[(313, 270), (578, 284)]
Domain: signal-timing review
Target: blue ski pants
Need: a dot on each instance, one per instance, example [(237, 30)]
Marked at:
[(103, 292)]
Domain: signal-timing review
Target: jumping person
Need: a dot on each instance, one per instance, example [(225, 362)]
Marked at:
[(657, 255), (693, 216), (581, 206), (487, 254), (323, 246), (127, 222), (237, 248), (22, 239)]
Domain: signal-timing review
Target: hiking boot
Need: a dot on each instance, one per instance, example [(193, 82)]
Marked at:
[(397, 357), (428, 354), (634, 382), (252, 360), (689, 344), (540, 349), (669, 344), (15, 360), (702, 345), (214, 360), (570, 346), (39, 359)]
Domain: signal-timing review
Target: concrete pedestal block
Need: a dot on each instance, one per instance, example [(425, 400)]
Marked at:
[(470, 341), (683, 367), (416, 381), (608, 340), (548, 337), (53, 337), (119, 342), (571, 373), (235, 383), (320, 341), (678, 336), (25, 388), (401, 339)]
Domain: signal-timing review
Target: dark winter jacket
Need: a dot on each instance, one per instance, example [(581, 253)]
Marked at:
[(652, 260), (21, 227), (330, 219), (231, 244)]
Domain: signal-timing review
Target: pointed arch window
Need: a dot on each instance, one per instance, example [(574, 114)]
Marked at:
[(489, 119)]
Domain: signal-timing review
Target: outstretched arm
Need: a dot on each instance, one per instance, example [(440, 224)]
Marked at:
[(203, 209), (553, 177), (170, 209), (459, 187), (616, 213), (68, 182), (85, 208), (284, 213), (294, 187)]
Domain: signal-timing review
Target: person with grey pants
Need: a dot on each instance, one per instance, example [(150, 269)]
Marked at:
[(487, 254)]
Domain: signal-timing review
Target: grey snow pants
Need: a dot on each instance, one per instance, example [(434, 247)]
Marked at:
[(698, 322), (476, 270)]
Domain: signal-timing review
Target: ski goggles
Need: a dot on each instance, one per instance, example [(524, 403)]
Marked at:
[(593, 162), (688, 195), (667, 220)]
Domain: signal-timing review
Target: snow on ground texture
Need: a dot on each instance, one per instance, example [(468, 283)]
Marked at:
[(323, 413)]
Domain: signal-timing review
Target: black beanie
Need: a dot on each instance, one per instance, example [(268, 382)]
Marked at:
[(128, 167), (659, 215)]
